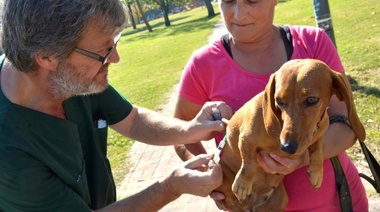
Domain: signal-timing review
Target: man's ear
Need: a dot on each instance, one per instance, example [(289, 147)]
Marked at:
[(45, 62)]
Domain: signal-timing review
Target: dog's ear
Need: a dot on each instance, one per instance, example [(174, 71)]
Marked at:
[(342, 89), (271, 114)]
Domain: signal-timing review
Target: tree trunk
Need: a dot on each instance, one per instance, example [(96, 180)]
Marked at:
[(143, 16), (166, 16), (210, 8), (165, 9), (131, 15)]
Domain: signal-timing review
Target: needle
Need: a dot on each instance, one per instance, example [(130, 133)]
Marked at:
[(218, 116), (219, 149)]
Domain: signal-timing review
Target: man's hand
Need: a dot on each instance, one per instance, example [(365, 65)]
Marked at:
[(204, 125), (198, 176)]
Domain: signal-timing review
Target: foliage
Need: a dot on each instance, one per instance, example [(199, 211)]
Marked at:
[(135, 10)]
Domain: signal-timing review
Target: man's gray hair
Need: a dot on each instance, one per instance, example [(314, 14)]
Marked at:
[(53, 27)]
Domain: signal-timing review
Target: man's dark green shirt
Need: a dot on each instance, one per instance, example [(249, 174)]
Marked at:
[(51, 164)]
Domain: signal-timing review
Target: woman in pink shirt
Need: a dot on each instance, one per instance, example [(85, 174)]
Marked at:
[(237, 67)]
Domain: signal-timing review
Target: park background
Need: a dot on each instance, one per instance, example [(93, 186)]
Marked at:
[(154, 53), (152, 62)]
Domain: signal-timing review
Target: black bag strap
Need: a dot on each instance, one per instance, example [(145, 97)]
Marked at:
[(226, 44), (371, 160), (340, 177), (373, 166), (287, 38), (285, 34), (342, 186), (343, 189)]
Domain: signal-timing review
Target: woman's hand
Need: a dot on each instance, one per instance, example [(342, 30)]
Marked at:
[(218, 197), (274, 164)]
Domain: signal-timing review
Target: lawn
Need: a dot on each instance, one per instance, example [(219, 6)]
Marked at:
[(151, 63)]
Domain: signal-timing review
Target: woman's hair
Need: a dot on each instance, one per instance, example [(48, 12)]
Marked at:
[(53, 27)]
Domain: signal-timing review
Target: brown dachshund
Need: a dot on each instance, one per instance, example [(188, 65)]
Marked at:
[(288, 118)]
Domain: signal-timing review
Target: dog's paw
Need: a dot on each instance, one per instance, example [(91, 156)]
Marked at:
[(242, 189), (315, 178)]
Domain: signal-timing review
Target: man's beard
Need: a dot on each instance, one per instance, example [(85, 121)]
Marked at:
[(66, 81)]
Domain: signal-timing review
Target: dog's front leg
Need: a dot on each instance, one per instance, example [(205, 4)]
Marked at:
[(315, 169), (242, 186)]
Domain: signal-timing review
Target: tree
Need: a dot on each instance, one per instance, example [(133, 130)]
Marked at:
[(210, 8), (165, 6), (130, 12), (143, 16), (136, 12)]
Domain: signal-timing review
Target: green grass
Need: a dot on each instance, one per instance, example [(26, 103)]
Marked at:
[(151, 63)]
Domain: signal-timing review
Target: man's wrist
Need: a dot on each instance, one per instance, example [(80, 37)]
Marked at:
[(168, 189)]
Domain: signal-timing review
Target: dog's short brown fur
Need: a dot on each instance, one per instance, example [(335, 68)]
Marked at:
[(288, 118)]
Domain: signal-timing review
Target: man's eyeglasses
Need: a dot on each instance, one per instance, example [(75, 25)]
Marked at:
[(95, 56)]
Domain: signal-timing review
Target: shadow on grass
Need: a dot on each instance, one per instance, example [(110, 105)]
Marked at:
[(154, 26), (175, 29), (373, 91), (194, 25), (159, 26)]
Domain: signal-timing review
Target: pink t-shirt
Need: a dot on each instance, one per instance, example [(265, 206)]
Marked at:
[(212, 75)]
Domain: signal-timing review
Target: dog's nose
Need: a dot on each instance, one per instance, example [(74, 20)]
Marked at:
[(289, 147)]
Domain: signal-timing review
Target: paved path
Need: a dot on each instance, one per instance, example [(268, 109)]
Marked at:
[(151, 163)]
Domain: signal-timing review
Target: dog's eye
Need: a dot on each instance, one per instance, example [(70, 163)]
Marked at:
[(310, 101), (279, 102)]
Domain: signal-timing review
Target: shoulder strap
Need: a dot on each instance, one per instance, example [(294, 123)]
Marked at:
[(342, 186), (226, 44), (285, 34), (287, 38)]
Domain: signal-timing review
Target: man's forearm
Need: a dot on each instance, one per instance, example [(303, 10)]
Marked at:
[(157, 129), (154, 128), (150, 199)]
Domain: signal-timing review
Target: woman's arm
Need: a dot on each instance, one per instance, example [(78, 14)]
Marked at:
[(187, 110)]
